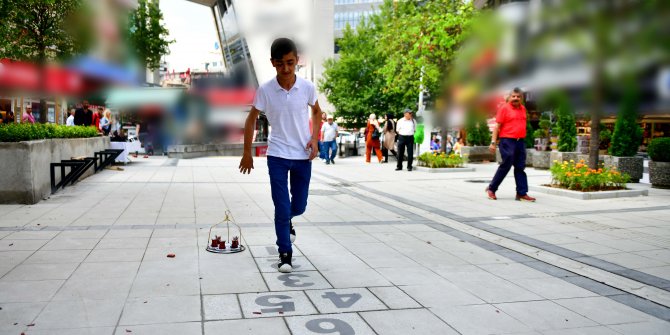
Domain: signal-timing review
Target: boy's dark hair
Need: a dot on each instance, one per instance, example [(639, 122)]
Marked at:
[(281, 47), (437, 140), (517, 90)]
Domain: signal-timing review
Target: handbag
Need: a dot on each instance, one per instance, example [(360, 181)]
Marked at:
[(375, 134)]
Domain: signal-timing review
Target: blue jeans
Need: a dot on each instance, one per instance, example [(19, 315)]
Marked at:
[(322, 152), (286, 208), (513, 153), (330, 147)]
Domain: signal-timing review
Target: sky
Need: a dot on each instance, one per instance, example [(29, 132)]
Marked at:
[(192, 26)]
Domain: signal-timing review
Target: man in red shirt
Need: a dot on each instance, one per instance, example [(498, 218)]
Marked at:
[(511, 129), (95, 118)]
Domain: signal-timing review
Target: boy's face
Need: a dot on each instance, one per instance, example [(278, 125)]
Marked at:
[(286, 65)]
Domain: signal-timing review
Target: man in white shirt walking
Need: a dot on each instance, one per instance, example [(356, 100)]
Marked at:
[(329, 133), (291, 147), (406, 128)]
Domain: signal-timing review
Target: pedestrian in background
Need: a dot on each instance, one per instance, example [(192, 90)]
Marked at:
[(70, 119), (329, 132), (389, 136), (406, 128), (28, 115), (511, 128), (83, 116), (448, 145), (106, 122), (95, 118), (372, 135), (322, 151), (435, 145)]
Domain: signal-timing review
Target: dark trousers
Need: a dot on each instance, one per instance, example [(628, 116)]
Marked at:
[(286, 207), (405, 141), (385, 153), (513, 153)]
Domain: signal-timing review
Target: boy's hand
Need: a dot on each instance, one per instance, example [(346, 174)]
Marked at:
[(314, 146), (246, 164)]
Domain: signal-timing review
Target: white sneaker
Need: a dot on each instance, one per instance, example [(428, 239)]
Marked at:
[(285, 263)]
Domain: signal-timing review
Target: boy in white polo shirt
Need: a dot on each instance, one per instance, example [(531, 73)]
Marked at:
[(291, 147)]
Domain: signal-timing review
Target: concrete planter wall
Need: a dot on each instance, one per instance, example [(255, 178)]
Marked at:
[(477, 154), (541, 159), (633, 166), (659, 174), (25, 165), (529, 157), (562, 156)]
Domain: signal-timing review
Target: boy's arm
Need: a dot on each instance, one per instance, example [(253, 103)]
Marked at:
[(247, 162), (316, 124)]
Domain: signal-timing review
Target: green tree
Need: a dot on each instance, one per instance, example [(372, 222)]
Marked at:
[(529, 133), (148, 36), (484, 131), (41, 31), (353, 84), (566, 126), (627, 134), (420, 40), (472, 135), (607, 33)]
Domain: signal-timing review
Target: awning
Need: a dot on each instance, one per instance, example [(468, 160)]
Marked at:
[(101, 70), (143, 97)]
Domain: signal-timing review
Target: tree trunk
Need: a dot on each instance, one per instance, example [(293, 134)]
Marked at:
[(597, 103)]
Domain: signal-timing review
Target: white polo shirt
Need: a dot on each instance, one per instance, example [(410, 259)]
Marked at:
[(329, 131), (288, 113), (405, 127)]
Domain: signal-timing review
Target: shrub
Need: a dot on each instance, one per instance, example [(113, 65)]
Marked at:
[(484, 132), (28, 132), (436, 159), (529, 133), (627, 134), (659, 149), (578, 176), (566, 127), (471, 132)]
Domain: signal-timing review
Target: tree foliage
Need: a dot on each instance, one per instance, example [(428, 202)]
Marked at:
[(353, 83), (627, 134), (420, 39), (148, 35), (43, 30), (566, 125)]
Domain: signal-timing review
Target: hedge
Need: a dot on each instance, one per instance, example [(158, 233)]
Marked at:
[(27, 132), (659, 149)]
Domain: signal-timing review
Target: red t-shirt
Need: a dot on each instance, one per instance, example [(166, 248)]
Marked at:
[(95, 120), (512, 121)]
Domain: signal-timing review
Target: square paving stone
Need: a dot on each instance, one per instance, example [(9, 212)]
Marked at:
[(167, 285), (115, 255), (57, 256), (599, 330), (553, 288), (409, 321), (265, 251), (41, 271), (441, 294), (83, 313), (545, 315), (299, 263), (468, 320), (151, 310), (344, 300), (71, 331), (657, 327), (15, 245), (265, 326), (363, 278), (347, 323), (221, 307), (94, 288), (307, 280), (232, 283), (64, 243), (394, 297), (22, 313), (187, 328), (29, 291), (269, 304), (604, 310)]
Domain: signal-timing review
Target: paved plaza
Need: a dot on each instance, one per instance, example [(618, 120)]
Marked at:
[(377, 252)]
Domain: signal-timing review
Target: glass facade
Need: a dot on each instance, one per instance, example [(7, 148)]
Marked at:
[(235, 49), (351, 18)]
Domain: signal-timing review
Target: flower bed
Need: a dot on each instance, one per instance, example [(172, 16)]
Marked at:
[(437, 160), (579, 177), (28, 132)]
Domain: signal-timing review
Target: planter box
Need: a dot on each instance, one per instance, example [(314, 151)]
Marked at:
[(186, 151), (477, 154), (659, 174), (26, 165), (633, 166), (562, 156), (541, 159), (529, 157), (444, 170), (589, 195)]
